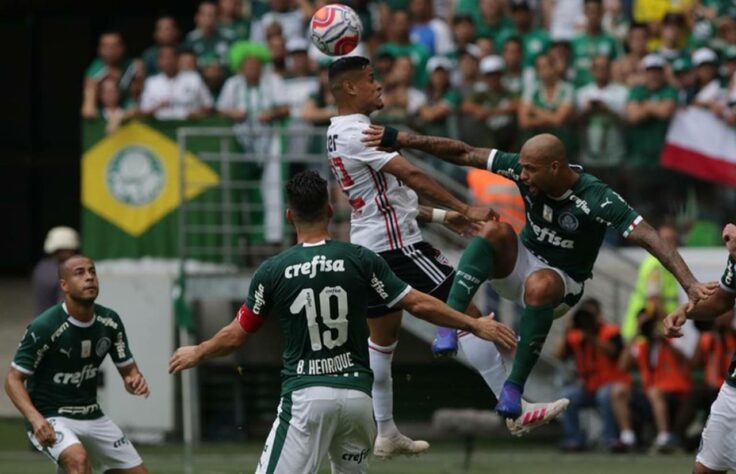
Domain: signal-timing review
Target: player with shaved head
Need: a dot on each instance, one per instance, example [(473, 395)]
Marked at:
[(545, 267), (53, 378)]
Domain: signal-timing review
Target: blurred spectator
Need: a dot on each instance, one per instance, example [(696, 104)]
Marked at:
[(112, 62), (106, 101), (714, 353), (601, 107), (728, 68), (726, 32), (212, 72), (493, 108), (596, 346), (648, 111), (428, 30), (490, 19), (709, 94), (628, 69), (656, 288), (320, 106), (436, 116), (206, 37), (549, 106), (615, 22), (231, 23), (300, 82), (187, 60), (684, 80), (277, 49), (468, 72), (60, 244), (292, 19), (593, 42), (665, 374), (173, 94), (564, 18), (251, 95), (513, 79), (401, 100), (535, 41), (165, 33), (399, 44), (674, 37), (560, 54), (463, 33), (652, 11)]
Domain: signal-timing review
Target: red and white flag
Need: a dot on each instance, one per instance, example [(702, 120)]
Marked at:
[(700, 144)]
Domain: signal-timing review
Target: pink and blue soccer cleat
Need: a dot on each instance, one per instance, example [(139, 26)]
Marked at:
[(445, 342), (509, 402)]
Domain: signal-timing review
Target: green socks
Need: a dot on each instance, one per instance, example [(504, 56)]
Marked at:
[(475, 267), (533, 329)]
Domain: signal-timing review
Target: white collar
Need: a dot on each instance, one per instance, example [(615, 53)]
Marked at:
[(314, 244)]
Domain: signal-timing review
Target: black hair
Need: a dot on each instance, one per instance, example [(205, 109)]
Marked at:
[(599, 2), (307, 196), (515, 39), (347, 64)]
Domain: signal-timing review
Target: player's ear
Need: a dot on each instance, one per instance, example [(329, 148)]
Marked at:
[(289, 216), (330, 211), (349, 87)]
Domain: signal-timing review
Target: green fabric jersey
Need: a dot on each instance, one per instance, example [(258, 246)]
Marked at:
[(535, 42), (418, 53), (61, 357), (217, 45), (567, 232), (97, 70), (728, 283), (646, 138), (235, 30), (585, 47), (320, 293)]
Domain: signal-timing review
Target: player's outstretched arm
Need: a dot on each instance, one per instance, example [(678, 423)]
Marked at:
[(646, 237), (447, 149), (436, 312), (135, 382), (453, 220), (15, 387), (221, 344), (706, 309)]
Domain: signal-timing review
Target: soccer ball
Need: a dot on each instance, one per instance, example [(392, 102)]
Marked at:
[(335, 29)]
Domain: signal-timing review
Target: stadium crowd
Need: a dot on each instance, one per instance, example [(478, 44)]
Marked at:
[(605, 76)]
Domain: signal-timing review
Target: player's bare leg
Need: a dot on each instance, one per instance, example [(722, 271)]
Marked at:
[(663, 443), (700, 469), (620, 397), (140, 469), (381, 345), (74, 460), (543, 291)]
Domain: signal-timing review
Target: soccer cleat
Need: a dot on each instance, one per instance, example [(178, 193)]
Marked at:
[(534, 415), (509, 402), (400, 445), (445, 342)]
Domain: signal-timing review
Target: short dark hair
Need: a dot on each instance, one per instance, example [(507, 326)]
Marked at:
[(515, 39), (599, 2), (307, 196), (347, 64)]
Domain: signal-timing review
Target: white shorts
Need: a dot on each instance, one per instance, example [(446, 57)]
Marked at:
[(105, 443), (315, 421), (512, 287), (717, 449)]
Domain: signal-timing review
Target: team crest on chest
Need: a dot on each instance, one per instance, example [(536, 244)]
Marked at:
[(103, 345), (568, 222)]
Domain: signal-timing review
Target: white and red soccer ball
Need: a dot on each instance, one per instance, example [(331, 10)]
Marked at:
[(335, 29)]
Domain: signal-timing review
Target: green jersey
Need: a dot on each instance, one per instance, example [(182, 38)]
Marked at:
[(61, 357), (728, 283), (534, 42), (567, 232), (585, 47), (320, 293), (646, 138)]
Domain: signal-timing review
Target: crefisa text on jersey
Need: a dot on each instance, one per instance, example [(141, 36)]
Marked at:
[(319, 264), (330, 365)]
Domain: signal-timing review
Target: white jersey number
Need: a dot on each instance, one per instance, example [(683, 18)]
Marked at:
[(305, 300)]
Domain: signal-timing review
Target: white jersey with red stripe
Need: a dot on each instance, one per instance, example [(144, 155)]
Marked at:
[(384, 213)]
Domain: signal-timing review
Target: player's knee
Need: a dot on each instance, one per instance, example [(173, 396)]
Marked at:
[(700, 469), (543, 287), (499, 234), (76, 461)]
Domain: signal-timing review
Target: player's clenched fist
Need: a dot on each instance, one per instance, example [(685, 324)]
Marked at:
[(184, 358), (43, 432), (481, 214), (136, 384), (674, 321), (699, 291), (489, 329)]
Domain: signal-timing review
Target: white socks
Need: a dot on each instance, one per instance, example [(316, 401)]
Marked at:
[(484, 356), (383, 388)]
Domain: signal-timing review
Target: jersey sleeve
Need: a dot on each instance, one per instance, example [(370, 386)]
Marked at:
[(728, 280), (32, 348), (505, 164), (356, 149), (258, 303), (384, 283), (613, 210), (120, 351)]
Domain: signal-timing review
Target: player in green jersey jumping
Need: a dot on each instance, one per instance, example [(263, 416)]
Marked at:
[(544, 268), (320, 290), (53, 378), (717, 452)]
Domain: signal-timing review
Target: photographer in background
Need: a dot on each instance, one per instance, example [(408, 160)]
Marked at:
[(596, 346), (665, 375)]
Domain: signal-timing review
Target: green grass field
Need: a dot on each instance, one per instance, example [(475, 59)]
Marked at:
[(507, 456)]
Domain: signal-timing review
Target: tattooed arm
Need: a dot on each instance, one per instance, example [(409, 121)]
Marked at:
[(453, 151)]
